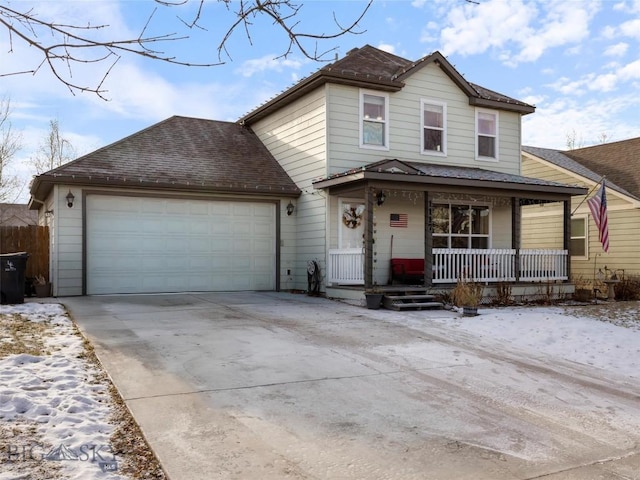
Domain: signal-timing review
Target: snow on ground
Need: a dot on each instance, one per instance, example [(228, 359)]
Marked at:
[(54, 403), (605, 336)]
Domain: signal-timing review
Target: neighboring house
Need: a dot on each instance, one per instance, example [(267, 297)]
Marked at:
[(17, 215), (371, 157), (619, 163)]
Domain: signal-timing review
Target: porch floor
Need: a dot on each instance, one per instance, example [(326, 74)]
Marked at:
[(516, 292)]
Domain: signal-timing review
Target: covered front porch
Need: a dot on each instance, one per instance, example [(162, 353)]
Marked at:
[(442, 223), (346, 266)]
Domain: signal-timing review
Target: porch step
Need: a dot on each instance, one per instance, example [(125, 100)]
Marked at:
[(410, 300)]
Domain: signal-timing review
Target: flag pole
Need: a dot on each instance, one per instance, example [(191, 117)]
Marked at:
[(590, 192)]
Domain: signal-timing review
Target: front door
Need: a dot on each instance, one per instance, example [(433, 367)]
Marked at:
[(351, 228)]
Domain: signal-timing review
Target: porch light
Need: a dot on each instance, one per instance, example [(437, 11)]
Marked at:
[(290, 208), (380, 197), (70, 198)]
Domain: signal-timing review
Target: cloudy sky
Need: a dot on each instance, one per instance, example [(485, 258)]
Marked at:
[(577, 61)]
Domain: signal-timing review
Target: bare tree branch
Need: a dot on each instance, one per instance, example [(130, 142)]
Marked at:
[(53, 151), (73, 45), (10, 144)]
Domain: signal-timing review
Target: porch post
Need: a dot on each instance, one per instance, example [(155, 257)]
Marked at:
[(566, 241), (516, 233), (368, 238), (428, 242)]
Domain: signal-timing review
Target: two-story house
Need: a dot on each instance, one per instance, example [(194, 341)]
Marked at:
[(372, 157)]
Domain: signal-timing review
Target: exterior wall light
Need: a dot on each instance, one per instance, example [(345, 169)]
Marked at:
[(70, 198), (290, 208), (380, 197)]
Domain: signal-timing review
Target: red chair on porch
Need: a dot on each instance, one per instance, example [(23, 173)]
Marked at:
[(407, 271)]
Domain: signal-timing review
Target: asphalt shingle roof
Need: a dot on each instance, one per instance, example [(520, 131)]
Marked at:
[(618, 161), (472, 173), (452, 175), (182, 152), (370, 67)]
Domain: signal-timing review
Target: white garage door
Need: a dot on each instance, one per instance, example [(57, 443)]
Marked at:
[(153, 245)]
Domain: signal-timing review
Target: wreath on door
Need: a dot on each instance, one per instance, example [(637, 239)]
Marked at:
[(352, 216)]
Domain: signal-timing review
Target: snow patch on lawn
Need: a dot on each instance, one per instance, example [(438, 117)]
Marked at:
[(54, 409), (605, 337)]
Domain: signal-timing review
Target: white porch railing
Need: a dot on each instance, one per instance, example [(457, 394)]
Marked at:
[(498, 265), (481, 265), (538, 265), (346, 266)]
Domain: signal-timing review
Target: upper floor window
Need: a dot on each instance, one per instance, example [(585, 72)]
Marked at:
[(487, 135), (374, 124), (434, 125)]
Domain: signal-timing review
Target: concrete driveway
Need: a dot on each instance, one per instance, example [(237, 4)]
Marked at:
[(276, 385)]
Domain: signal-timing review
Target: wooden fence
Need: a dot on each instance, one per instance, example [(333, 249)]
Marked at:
[(31, 239)]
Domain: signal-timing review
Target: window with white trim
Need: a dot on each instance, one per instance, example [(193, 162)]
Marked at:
[(486, 135), (434, 127), (374, 120), (460, 226), (579, 238)]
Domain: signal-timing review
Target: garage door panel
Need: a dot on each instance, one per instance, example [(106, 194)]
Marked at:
[(150, 227), (242, 245), (261, 262), (242, 209), (146, 245), (222, 246), (241, 228), (223, 227), (263, 229)]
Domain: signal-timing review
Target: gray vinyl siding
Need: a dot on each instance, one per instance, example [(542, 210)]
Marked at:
[(296, 137), (66, 242), (405, 132)]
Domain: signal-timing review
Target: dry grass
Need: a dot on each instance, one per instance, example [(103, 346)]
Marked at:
[(136, 460), (622, 314), (18, 335)]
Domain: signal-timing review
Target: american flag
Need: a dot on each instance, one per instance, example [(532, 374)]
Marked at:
[(399, 220), (598, 206)]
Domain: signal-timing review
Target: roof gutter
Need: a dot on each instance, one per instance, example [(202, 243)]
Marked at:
[(494, 104), (314, 81), (42, 186)]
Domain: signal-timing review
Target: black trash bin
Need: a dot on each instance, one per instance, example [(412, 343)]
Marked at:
[(12, 269)]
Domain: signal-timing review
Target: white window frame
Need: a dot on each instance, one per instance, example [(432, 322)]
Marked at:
[(469, 236), (443, 150), (496, 136), (384, 121), (585, 219)]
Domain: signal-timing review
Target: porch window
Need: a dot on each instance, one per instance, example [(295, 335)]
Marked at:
[(487, 135), (579, 237), (434, 121), (374, 113), (460, 226)]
